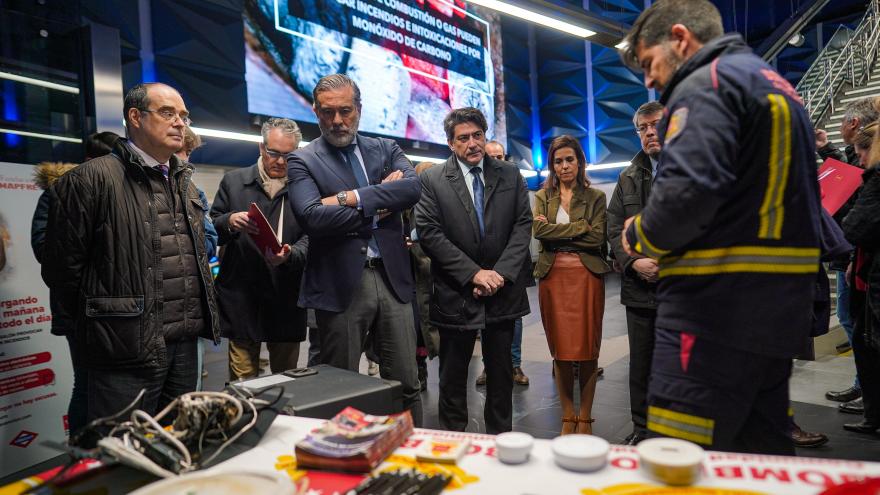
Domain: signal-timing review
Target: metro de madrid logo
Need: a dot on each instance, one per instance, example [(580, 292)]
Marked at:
[(23, 439)]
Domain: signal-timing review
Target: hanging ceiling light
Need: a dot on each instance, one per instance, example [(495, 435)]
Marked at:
[(797, 40), (532, 16)]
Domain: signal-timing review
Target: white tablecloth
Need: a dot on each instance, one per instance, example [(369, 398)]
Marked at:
[(480, 472)]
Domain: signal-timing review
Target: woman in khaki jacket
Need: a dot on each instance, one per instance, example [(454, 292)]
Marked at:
[(569, 222)]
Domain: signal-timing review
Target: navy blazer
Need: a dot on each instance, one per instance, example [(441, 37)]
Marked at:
[(338, 235)]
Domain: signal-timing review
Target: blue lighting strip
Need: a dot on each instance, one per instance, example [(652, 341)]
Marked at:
[(537, 154), (10, 112)]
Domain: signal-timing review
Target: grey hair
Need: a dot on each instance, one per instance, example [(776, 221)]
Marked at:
[(862, 109), (646, 109), (336, 81), (287, 126), (654, 25)]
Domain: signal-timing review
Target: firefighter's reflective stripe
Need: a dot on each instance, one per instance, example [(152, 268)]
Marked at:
[(772, 212), (748, 259), (643, 245), (680, 425)]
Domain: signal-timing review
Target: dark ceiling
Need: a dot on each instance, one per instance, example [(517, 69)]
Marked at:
[(754, 19)]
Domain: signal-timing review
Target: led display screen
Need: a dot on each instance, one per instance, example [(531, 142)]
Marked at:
[(414, 60)]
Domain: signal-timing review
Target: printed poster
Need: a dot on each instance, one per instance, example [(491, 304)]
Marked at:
[(36, 376)]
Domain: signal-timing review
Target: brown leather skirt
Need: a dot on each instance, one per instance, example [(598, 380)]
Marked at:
[(572, 301)]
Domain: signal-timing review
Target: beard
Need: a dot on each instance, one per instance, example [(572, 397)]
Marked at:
[(674, 61), (340, 136)]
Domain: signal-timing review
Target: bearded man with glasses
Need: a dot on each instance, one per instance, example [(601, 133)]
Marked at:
[(126, 264)]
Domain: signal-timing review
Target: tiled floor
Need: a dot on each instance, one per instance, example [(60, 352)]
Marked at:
[(537, 411)]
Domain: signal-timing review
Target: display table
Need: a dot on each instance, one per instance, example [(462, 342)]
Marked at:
[(479, 472)]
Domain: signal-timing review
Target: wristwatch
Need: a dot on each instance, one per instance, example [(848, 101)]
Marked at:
[(341, 197)]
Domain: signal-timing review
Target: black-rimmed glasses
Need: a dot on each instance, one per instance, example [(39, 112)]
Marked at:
[(170, 115)]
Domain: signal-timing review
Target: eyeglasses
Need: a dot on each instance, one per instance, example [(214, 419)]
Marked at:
[(170, 115), (274, 155), (644, 127)]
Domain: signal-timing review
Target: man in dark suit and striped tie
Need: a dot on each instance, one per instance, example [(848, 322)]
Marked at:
[(347, 191)]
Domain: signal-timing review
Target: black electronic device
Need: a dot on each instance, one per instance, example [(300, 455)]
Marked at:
[(322, 391), (300, 372)]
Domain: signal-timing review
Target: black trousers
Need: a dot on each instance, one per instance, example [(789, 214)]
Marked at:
[(374, 313), (717, 396), (866, 356), (640, 328), (109, 391), (456, 349)]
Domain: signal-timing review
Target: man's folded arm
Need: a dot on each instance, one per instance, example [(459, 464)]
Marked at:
[(319, 220), (392, 196)]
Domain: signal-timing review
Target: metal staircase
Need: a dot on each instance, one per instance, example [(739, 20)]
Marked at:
[(845, 70), (871, 87)]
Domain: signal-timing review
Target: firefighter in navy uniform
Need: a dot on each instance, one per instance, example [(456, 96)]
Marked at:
[(733, 221)]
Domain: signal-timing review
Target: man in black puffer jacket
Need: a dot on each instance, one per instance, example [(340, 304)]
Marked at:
[(125, 260)]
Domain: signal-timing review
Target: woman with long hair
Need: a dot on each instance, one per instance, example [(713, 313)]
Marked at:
[(569, 222), (862, 228)]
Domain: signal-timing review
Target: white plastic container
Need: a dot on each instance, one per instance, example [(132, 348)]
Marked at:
[(582, 453), (513, 447), (670, 460)]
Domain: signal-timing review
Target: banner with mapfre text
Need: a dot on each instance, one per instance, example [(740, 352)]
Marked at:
[(36, 376)]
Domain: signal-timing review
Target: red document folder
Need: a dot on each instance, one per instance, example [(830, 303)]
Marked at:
[(837, 182), (266, 238)]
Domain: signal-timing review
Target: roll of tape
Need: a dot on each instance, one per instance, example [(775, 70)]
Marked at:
[(670, 460)]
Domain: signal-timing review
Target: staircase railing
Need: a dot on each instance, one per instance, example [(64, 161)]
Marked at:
[(836, 66)]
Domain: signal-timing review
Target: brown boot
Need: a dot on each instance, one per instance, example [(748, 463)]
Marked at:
[(519, 377)]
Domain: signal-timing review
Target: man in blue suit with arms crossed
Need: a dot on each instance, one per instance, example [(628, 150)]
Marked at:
[(347, 191)]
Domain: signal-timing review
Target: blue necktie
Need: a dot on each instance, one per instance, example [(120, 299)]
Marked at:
[(478, 199), (162, 168), (355, 164)]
